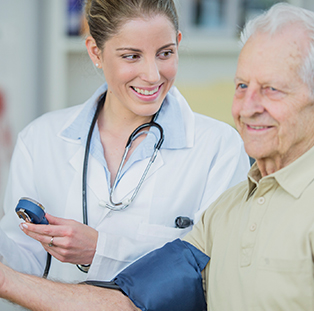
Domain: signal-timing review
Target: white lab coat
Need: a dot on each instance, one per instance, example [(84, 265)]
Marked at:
[(183, 182)]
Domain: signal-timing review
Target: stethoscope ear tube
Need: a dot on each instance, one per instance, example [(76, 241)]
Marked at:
[(86, 156), (120, 206), (85, 268), (138, 129)]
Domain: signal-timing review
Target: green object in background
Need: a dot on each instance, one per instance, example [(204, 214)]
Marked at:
[(212, 99)]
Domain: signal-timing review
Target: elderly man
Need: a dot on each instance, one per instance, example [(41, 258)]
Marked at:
[(259, 234)]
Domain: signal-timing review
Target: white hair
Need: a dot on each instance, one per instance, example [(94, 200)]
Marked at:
[(279, 16)]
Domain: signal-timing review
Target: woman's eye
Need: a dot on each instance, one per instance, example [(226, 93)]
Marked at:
[(166, 54), (131, 57)]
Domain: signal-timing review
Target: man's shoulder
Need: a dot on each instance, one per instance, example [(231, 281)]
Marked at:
[(228, 200)]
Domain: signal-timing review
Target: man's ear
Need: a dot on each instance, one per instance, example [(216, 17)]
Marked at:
[(93, 51)]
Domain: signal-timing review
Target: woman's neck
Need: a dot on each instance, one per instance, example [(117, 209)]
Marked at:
[(115, 129), (122, 122)]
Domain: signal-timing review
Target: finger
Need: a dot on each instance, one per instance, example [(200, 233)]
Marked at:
[(50, 230), (39, 236), (53, 220), (62, 254), (29, 228), (54, 251), (52, 242)]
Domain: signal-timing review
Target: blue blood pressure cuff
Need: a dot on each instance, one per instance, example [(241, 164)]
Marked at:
[(168, 278)]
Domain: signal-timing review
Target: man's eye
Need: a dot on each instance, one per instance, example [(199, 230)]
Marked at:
[(242, 86)]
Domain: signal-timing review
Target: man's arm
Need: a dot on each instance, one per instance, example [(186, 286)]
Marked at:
[(40, 294)]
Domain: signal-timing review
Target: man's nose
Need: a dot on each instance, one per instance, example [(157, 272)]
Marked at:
[(252, 102)]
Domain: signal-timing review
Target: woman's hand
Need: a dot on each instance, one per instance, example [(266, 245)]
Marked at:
[(72, 242)]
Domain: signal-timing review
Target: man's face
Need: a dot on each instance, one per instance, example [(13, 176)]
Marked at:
[(272, 109)]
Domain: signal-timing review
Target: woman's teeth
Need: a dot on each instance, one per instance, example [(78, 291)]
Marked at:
[(146, 92)]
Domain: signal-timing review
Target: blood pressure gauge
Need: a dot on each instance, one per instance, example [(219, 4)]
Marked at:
[(31, 211)]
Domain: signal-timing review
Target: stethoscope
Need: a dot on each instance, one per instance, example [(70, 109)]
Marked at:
[(137, 132), (180, 222), (119, 206)]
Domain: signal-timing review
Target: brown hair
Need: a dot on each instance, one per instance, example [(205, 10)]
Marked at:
[(105, 17)]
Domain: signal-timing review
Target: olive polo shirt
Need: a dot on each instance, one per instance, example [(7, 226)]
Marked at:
[(260, 237)]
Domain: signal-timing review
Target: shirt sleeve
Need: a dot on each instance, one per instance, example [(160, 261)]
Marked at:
[(230, 168), (17, 250), (201, 235)]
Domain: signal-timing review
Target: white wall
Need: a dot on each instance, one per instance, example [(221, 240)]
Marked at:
[(18, 80), (18, 73), (19, 57)]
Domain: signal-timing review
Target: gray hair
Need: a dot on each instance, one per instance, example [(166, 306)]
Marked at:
[(279, 16)]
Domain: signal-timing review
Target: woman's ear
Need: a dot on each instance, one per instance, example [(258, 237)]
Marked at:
[(93, 51), (179, 37)]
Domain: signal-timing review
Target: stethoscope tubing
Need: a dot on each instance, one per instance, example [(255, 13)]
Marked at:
[(120, 205), (114, 206), (86, 156), (124, 204)]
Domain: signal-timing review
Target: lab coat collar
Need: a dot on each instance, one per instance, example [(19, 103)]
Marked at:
[(175, 117), (76, 129)]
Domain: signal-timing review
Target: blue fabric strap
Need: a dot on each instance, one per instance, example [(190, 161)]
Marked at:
[(168, 278)]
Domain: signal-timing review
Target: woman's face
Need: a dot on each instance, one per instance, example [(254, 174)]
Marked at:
[(140, 65)]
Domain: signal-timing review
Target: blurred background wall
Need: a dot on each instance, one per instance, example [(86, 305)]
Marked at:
[(44, 65)]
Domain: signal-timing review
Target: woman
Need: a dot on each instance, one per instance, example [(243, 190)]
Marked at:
[(135, 43)]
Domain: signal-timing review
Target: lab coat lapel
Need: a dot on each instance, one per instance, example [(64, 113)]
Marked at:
[(131, 178), (98, 183), (97, 190)]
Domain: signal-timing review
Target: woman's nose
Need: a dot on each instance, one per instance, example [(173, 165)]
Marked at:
[(150, 72)]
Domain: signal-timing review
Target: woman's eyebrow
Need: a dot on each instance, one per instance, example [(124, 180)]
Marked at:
[(139, 51), (128, 49)]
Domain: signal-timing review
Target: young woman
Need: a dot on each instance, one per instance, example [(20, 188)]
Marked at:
[(136, 44)]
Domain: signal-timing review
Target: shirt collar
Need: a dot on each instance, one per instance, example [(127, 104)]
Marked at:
[(293, 178), (169, 117), (254, 177)]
